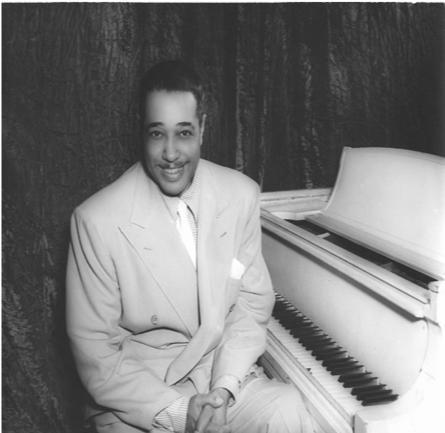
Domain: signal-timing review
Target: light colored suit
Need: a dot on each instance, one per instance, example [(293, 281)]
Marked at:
[(132, 292)]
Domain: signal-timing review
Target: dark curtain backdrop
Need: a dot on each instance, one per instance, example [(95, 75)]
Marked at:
[(291, 84)]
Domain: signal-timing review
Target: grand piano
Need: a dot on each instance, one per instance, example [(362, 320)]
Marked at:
[(358, 271)]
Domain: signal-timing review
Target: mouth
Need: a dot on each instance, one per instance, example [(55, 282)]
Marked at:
[(172, 171)]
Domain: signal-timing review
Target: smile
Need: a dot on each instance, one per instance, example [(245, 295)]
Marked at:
[(172, 171)]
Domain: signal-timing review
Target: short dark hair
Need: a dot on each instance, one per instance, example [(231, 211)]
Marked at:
[(173, 76)]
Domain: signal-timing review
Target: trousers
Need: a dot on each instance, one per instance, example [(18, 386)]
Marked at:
[(263, 406)]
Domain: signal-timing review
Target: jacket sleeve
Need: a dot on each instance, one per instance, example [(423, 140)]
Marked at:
[(110, 369), (244, 338)]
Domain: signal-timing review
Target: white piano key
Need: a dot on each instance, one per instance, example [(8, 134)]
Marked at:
[(319, 373)]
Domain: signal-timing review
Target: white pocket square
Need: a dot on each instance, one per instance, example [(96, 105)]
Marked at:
[(237, 270)]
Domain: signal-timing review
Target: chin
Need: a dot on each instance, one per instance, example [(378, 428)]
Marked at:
[(172, 190)]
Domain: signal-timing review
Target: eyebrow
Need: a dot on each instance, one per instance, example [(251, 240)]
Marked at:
[(155, 124)]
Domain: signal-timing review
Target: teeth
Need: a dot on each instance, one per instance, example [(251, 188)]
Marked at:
[(173, 170)]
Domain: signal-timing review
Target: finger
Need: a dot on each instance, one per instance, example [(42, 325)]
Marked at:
[(205, 404), (220, 416), (204, 419)]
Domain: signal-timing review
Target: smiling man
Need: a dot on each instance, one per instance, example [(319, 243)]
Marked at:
[(168, 296), (172, 139)]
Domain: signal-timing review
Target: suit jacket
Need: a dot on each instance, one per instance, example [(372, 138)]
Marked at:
[(139, 316)]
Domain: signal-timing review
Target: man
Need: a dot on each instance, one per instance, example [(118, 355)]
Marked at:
[(168, 296)]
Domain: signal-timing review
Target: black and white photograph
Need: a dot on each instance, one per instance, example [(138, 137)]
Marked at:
[(223, 217)]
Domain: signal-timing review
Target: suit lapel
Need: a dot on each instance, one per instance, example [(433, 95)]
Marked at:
[(156, 239)]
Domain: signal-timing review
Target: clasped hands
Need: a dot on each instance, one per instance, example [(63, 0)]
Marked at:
[(207, 413)]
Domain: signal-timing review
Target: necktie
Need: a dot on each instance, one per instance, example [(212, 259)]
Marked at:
[(183, 226)]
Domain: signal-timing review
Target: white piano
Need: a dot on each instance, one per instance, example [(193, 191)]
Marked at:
[(359, 276)]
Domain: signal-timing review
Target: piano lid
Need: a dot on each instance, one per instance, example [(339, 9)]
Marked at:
[(393, 202)]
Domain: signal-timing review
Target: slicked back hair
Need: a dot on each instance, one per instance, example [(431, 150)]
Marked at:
[(172, 76)]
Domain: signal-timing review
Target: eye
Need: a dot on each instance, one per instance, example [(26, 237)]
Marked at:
[(186, 133), (155, 134)]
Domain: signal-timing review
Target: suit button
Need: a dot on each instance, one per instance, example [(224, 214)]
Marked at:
[(154, 320), (231, 308)]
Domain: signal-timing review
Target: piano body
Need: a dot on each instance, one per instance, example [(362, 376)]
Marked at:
[(359, 275)]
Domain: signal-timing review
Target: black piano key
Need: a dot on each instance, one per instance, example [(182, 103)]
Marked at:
[(367, 388), (338, 354), (327, 351), (320, 345), (379, 400), (294, 320), (280, 305), (304, 328), (282, 314), (358, 382), (346, 369), (280, 308), (352, 367), (315, 346), (289, 324), (316, 338), (337, 361), (292, 316), (378, 391), (375, 394), (285, 312), (353, 376), (317, 341), (309, 340), (301, 323), (284, 309), (295, 324), (304, 332)]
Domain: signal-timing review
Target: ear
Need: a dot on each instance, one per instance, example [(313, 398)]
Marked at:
[(201, 128)]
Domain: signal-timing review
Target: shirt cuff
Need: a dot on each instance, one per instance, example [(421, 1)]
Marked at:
[(174, 417), (229, 382)]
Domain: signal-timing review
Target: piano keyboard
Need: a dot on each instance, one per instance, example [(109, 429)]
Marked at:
[(345, 381)]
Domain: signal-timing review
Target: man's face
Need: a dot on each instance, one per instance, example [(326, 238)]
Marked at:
[(172, 139)]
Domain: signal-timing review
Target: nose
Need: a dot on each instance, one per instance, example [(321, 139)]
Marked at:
[(171, 152)]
